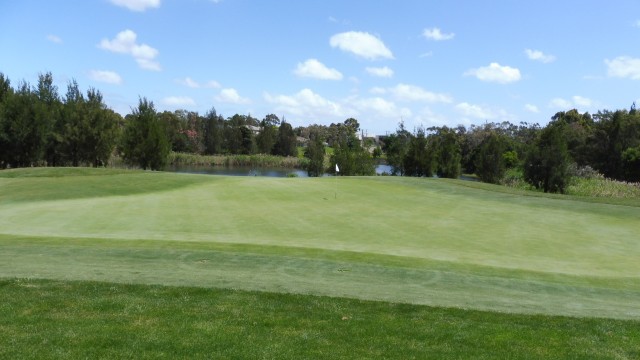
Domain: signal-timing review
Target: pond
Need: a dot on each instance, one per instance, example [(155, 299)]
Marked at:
[(253, 171)]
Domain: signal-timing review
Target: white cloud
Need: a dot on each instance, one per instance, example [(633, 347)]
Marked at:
[(426, 117), (189, 82), (474, 111), (482, 112), (637, 24), (624, 67), (575, 102), (532, 108), (408, 93), (109, 77), (148, 64), (137, 5), (362, 44), (495, 73), (381, 108), (178, 101), (212, 84), (231, 96), (412, 93), (539, 56), (582, 101), (426, 55), (54, 39), (313, 68), (125, 43), (437, 35), (306, 104), (560, 103), (385, 72)]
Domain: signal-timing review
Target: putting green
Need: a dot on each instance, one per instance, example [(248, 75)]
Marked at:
[(423, 241)]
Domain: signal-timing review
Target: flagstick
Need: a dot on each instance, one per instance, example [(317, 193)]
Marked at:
[(337, 171)]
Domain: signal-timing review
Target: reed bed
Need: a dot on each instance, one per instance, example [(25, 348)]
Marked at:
[(257, 160)]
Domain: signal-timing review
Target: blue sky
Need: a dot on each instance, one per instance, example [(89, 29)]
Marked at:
[(425, 62)]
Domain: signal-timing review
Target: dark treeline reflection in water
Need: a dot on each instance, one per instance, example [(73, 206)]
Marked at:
[(254, 171)]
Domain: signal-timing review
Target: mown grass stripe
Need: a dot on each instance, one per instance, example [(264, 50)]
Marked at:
[(71, 319)]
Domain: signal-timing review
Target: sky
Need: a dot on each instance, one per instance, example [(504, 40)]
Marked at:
[(426, 63)]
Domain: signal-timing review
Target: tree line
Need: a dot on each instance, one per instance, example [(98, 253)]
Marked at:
[(607, 142), (39, 127)]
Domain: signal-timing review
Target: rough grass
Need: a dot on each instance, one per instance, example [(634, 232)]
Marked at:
[(594, 187), (604, 188), (70, 320)]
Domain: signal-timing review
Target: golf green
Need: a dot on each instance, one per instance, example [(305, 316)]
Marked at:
[(420, 241)]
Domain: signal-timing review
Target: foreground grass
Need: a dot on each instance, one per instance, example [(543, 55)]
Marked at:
[(69, 320)]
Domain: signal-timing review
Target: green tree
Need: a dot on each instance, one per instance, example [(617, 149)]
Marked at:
[(144, 141), (490, 163), (631, 163), (190, 131), (613, 133), (348, 152), (49, 110), (577, 129), (233, 134), (175, 131), (101, 136), (267, 137), (5, 87), (5, 92), (418, 159), (447, 152), (22, 132), (546, 165), (213, 132), (248, 144), (315, 152), (396, 146), (286, 145), (74, 126)]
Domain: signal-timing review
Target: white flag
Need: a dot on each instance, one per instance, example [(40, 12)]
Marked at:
[(337, 168)]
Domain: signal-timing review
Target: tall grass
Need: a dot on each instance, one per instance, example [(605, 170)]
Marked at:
[(257, 160), (602, 187), (585, 182)]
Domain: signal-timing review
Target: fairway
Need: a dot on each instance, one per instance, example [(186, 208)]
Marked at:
[(418, 241)]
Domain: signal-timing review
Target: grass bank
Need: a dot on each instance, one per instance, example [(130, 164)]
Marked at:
[(70, 320)]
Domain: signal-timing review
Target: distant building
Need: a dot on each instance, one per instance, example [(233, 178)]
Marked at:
[(254, 129)]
